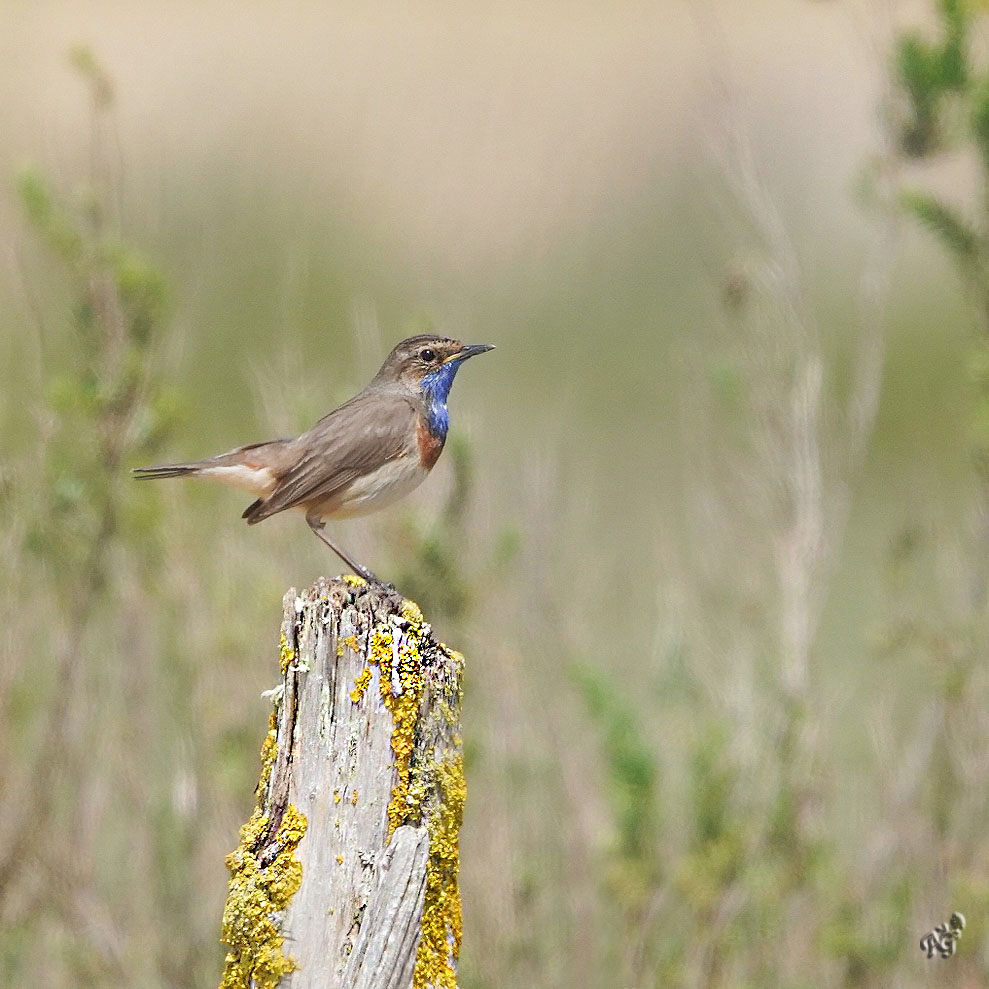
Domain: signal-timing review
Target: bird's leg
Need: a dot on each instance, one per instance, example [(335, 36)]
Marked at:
[(317, 527)]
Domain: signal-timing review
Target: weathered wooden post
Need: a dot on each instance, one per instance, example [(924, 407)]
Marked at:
[(346, 875)]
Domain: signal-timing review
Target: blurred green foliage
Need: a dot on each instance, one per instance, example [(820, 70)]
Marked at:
[(632, 779), (92, 541), (953, 67), (944, 105), (102, 403), (930, 72)]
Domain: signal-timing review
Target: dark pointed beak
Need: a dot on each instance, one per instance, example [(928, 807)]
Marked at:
[(472, 350)]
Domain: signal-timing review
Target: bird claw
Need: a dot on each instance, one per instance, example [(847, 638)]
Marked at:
[(377, 582), (372, 580)]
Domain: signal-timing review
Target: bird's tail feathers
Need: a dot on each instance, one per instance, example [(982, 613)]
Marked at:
[(254, 455), (167, 470)]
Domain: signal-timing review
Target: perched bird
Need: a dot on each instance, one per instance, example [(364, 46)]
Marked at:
[(364, 455)]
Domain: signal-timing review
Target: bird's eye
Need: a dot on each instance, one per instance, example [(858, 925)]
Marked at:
[(428, 355)]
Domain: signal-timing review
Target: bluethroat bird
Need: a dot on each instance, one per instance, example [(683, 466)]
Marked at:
[(364, 455)]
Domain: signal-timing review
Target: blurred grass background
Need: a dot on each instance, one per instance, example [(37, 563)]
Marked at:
[(670, 783)]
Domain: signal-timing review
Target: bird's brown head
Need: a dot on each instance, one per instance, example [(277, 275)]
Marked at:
[(427, 362)]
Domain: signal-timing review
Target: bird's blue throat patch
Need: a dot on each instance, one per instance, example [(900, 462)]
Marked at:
[(436, 387)]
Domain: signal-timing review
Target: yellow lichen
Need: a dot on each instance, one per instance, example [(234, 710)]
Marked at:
[(360, 684), (353, 798), (351, 641), (269, 751), (339, 860), (353, 580), (257, 893), (412, 613), (442, 918), (404, 709), (457, 658), (336, 796), (285, 654)]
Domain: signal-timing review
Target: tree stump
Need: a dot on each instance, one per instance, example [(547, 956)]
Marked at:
[(347, 872)]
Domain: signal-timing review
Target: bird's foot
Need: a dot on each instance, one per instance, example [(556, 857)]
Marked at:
[(365, 576), (381, 585)]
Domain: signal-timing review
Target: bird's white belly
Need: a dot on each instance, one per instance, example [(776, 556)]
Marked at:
[(388, 483)]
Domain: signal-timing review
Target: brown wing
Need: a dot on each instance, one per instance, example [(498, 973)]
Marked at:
[(353, 440)]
